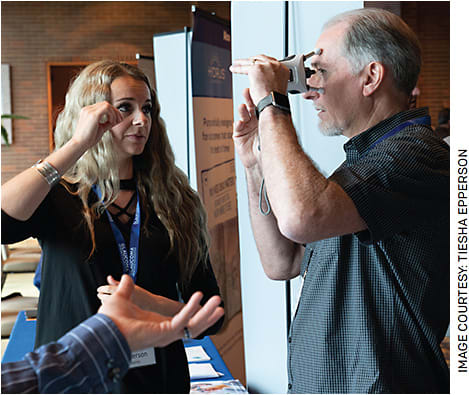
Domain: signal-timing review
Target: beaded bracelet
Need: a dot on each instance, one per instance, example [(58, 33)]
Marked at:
[(49, 172)]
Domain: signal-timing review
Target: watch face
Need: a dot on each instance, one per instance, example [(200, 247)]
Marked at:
[(280, 100)]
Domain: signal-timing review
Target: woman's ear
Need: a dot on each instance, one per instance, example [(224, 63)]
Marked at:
[(374, 76)]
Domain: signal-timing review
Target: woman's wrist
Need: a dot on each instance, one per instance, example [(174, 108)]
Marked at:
[(66, 156), (48, 172), (165, 306), (77, 146), (149, 301)]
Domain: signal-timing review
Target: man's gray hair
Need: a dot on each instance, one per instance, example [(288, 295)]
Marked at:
[(381, 36)]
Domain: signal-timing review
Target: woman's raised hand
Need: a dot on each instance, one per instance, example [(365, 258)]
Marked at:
[(94, 121)]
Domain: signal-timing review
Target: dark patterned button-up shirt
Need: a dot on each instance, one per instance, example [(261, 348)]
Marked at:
[(375, 305)]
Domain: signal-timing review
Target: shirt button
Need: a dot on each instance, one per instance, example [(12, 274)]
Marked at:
[(110, 363), (289, 386), (289, 339)]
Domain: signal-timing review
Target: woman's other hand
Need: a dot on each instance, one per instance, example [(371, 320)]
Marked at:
[(142, 298)]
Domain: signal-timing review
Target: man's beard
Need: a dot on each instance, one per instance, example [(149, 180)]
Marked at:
[(329, 130)]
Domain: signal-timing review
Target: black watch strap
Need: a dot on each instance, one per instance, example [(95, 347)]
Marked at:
[(273, 99)]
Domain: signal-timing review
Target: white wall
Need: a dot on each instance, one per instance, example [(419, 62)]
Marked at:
[(174, 92), (258, 27)]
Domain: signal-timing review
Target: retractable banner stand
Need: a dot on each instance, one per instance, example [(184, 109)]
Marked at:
[(213, 123)]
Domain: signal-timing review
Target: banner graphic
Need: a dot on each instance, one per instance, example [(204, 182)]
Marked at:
[(213, 118), (214, 150)]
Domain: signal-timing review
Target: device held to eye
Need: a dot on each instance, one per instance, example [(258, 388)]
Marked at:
[(299, 73)]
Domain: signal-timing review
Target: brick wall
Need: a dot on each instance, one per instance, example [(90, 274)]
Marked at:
[(35, 33), (430, 21)]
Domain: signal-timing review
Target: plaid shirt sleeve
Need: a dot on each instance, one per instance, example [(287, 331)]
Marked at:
[(89, 358)]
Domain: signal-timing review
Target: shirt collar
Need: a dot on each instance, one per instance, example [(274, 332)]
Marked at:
[(360, 143)]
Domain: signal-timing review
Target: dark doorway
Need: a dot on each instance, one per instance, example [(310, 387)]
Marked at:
[(59, 76)]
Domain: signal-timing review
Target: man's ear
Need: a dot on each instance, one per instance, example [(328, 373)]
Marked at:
[(373, 76)]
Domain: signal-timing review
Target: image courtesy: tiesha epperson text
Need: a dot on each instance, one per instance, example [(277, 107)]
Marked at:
[(462, 324)]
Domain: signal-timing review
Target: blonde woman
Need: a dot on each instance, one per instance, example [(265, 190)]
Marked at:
[(110, 200)]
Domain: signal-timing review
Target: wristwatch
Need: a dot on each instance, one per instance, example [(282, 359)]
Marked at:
[(273, 99)]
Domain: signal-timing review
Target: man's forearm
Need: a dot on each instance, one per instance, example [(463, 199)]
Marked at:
[(280, 257), (307, 205), (289, 172)]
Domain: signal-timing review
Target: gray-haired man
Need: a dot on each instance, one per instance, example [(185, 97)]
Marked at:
[(371, 241)]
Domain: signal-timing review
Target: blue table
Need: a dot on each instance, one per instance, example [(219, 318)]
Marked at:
[(216, 360), (22, 341)]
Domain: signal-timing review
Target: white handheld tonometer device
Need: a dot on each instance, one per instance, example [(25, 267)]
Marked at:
[(299, 73)]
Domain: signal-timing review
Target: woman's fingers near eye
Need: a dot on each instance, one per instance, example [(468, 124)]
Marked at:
[(119, 117), (103, 119)]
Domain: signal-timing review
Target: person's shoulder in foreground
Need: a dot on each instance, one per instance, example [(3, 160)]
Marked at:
[(92, 356), (95, 355)]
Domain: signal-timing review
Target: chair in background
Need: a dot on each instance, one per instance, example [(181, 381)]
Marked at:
[(20, 259), (17, 258), (11, 306)]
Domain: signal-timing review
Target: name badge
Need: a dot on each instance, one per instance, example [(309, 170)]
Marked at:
[(143, 358)]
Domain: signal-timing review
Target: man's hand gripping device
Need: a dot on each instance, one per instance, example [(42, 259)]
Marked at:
[(299, 73), (296, 84)]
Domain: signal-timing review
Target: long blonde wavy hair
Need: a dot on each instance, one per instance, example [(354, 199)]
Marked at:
[(161, 184)]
